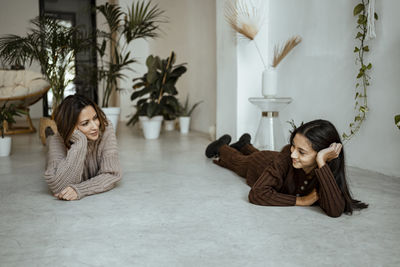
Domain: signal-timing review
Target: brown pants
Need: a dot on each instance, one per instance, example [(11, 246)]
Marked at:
[(248, 163)]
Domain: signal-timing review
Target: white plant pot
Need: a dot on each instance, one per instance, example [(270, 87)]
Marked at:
[(112, 114), (5, 146), (269, 82), (151, 126), (184, 124), (169, 125)]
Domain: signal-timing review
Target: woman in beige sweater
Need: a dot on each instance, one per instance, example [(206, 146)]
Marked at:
[(82, 155)]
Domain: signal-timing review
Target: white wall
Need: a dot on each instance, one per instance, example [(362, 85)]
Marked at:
[(320, 74), (14, 19), (190, 32)]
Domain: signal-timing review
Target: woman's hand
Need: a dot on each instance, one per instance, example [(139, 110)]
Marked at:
[(328, 154), (77, 135), (307, 200), (67, 194)]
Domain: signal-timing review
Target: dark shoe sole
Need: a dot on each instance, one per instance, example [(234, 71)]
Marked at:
[(243, 140), (212, 149)]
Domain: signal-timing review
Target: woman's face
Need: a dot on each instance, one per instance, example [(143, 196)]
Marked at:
[(88, 123), (303, 155)]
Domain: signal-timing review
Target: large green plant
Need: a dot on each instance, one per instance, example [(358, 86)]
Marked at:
[(7, 114), (140, 21), (363, 77), (156, 89), (52, 45)]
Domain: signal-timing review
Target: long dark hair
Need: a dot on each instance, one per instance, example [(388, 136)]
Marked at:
[(67, 114), (321, 134)]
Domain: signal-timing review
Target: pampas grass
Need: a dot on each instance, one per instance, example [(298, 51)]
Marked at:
[(281, 53), (244, 20)]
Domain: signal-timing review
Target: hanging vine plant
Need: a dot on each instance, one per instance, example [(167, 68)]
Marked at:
[(363, 78)]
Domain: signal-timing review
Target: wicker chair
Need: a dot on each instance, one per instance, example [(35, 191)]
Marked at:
[(22, 88)]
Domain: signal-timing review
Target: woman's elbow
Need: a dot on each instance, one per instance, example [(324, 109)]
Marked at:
[(255, 198)]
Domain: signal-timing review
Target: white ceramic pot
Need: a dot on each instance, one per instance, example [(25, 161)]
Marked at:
[(169, 125), (269, 82), (184, 124), (151, 126), (5, 146), (112, 114)]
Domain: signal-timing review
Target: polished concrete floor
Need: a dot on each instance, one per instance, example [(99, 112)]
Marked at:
[(176, 208)]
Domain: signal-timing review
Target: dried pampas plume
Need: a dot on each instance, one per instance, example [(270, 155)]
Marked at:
[(244, 20), (280, 54)]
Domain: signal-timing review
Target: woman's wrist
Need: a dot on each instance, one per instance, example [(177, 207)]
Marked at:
[(299, 201), (320, 161)]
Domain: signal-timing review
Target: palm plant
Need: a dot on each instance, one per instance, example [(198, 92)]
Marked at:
[(140, 21), (52, 45)]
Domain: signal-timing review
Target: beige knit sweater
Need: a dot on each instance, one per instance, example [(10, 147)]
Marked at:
[(89, 167)]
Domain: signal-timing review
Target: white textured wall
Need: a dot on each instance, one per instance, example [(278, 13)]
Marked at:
[(191, 33), (320, 74), (14, 19)]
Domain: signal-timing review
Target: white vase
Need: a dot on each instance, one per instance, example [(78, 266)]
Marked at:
[(112, 114), (151, 126), (5, 146), (269, 82), (184, 123), (169, 125)]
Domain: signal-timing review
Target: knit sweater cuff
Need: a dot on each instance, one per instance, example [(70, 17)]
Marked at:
[(78, 192)]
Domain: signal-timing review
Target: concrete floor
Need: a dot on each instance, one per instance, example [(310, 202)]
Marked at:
[(175, 208)]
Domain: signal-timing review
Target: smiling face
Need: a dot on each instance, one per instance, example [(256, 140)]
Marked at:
[(302, 154), (88, 123)]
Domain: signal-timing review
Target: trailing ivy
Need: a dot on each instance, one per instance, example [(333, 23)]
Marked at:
[(361, 104), (397, 120)]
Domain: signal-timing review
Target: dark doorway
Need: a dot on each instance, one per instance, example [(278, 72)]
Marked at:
[(80, 13)]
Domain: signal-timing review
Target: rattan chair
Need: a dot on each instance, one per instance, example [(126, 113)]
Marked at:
[(22, 88)]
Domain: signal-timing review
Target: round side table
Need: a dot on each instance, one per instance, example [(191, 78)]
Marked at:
[(269, 134)]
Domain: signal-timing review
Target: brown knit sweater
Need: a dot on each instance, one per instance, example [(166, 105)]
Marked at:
[(275, 182), (89, 167)]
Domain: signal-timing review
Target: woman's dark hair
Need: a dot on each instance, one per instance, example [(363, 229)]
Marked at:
[(322, 134), (67, 114)]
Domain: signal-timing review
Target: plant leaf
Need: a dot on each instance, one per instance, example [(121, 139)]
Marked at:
[(358, 9)]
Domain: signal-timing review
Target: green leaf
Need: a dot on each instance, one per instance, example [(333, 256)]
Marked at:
[(362, 19), (366, 48), (139, 93), (376, 16), (356, 49), (358, 9), (359, 34), (369, 67), (359, 75), (397, 120), (357, 85), (356, 95)]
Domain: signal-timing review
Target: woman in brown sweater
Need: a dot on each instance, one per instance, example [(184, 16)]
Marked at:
[(82, 155), (310, 170)]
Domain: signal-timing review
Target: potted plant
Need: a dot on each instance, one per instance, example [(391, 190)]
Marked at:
[(155, 92), (185, 111), (54, 47), (7, 114), (139, 21)]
